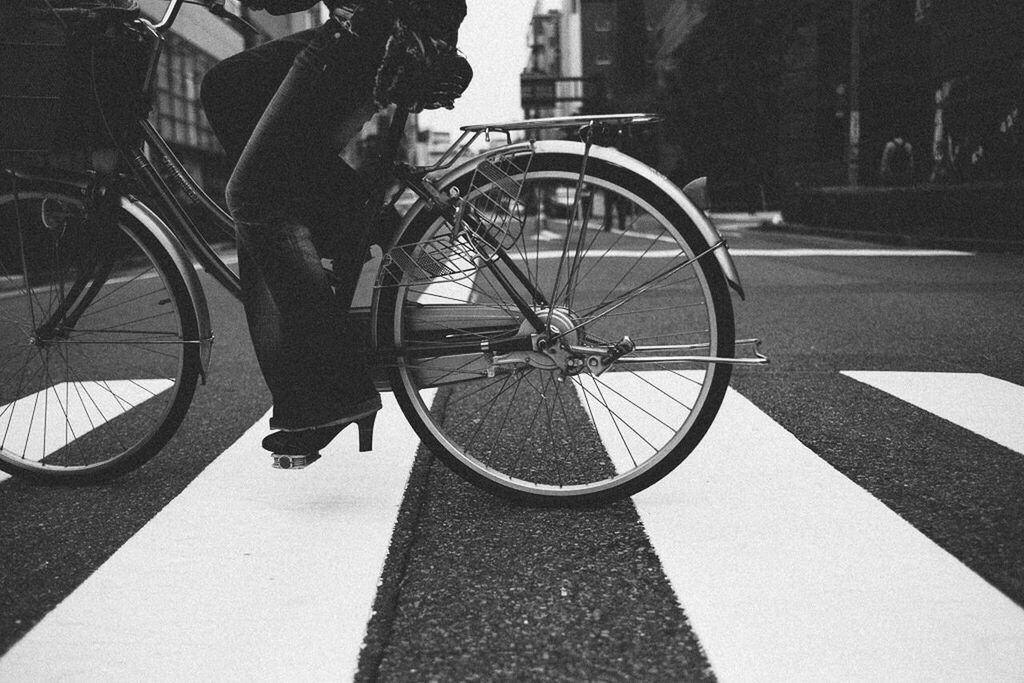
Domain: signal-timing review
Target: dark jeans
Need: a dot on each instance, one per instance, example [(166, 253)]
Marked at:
[(285, 109)]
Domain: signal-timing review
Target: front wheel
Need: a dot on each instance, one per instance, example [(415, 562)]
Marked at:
[(619, 283), (96, 367)]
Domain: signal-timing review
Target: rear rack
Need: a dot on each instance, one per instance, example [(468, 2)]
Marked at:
[(585, 125)]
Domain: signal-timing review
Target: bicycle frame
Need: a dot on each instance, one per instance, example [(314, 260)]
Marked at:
[(183, 236), (468, 292)]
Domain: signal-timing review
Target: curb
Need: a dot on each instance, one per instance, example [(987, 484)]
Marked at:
[(901, 239)]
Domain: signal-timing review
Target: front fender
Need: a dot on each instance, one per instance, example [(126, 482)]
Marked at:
[(616, 158), (167, 239)]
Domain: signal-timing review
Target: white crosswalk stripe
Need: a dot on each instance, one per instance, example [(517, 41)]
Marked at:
[(250, 574), (786, 569), (789, 571), (985, 405), (73, 410)]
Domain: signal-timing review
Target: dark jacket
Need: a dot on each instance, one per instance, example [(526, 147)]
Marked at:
[(438, 18)]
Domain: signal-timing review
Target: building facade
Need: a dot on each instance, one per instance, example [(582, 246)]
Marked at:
[(554, 82), (604, 50), (948, 76), (977, 82), (595, 57)]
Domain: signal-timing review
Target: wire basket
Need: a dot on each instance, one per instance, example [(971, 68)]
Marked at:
[(491, 217), (65, 86)]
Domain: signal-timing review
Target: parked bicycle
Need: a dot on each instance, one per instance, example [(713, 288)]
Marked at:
[(538, 355)]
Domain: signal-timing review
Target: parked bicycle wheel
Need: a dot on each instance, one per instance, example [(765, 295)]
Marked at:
[(627, 292), (94, 373)]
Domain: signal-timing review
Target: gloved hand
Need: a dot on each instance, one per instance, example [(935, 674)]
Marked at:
[(421, 72)]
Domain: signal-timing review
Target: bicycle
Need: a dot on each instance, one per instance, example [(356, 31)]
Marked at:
[(537, 355)]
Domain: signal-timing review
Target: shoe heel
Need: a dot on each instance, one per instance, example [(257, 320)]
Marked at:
[(365, 425)]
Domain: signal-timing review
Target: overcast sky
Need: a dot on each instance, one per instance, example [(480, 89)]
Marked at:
[(493, 36)]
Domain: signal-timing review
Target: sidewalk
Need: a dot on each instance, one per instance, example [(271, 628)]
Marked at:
[(980, 216)]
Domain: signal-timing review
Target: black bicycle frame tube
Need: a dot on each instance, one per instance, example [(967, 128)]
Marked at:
[(426, 192), (191, 187), (186, 230)]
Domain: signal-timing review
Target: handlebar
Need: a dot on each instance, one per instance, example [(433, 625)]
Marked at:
[(106, 16), (215, 7), (170, 14)]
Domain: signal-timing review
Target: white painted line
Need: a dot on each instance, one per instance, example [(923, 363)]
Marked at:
[(781, 253), (869, 253), (788, 571), (985, 405), (611, 253), (759, 216), (545, 235), (251, 574), (37, 425)]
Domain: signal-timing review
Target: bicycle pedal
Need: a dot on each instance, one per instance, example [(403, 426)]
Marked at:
[(294, 462)]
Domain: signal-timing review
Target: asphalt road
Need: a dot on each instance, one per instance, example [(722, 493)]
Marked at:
[(873, 498)]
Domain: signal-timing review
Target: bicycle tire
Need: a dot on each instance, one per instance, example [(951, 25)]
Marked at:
[(577, 439), (95, 375)]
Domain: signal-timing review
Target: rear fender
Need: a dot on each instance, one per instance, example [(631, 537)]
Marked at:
[(616, 158)]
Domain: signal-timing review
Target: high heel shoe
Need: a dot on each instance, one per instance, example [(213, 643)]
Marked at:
[(296, 450)]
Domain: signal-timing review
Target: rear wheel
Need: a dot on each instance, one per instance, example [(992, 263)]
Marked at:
[(627, 294), (95, 370)]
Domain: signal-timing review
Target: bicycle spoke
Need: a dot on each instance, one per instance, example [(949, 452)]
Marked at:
[(615, 422), (459, 371), (663, 392), (508, 410), (675, 335), (92, 338), (125, 302), (518, 429), (657, 309), (474, 392), (650, 285), (490, 407), (12, 406), (612, 247)]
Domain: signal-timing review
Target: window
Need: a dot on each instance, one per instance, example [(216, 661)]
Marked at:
[(178, 113), (603, 25)]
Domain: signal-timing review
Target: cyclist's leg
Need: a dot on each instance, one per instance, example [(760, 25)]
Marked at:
[(284, 196), (236, 91)]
